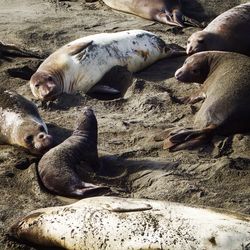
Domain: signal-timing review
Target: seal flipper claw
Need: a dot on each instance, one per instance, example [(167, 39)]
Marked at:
[(187, 139), (167, 18)]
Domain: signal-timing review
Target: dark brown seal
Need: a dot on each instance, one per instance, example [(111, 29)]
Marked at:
[(164, 11), (226, 90), (60, 169), (230, 31), (21, 124)]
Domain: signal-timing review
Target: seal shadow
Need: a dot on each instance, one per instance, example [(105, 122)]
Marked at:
[(161, 70), (59, 134), (116, 171), (194, 9)]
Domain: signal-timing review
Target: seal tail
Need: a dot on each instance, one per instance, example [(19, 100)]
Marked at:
[(86, 189), (187, 138)]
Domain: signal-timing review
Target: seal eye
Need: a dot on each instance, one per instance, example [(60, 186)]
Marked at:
[(41, 128), (37, 85), (28, 139), (195, 71), (201, 41), (50, 78)]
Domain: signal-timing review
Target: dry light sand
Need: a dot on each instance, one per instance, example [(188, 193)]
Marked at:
[(134, 163)]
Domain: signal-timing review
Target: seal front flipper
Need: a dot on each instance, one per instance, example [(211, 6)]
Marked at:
[(86, 189), (187, 138), (76, 47), (104, 89), (130, 205), (168, 18)]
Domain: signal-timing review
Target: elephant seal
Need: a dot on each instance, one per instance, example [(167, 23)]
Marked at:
[(226, 90), (80, 64), (60, 170), (126, 223), (163, 11), (21, 124), (230, 31)]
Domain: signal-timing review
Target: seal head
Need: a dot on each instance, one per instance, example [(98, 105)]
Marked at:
[(33, 136), (194, 69), (45, 86)]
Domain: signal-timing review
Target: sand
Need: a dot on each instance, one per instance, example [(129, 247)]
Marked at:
[(134, 163)]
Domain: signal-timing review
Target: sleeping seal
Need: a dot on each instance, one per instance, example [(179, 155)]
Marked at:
[(80, 64), (163, 11), (230, 31), (124, 223), (60, 170), (21, 124), (226, 90)]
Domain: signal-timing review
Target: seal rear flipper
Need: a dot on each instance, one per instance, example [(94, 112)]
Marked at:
[(104, 89), (187, 139)]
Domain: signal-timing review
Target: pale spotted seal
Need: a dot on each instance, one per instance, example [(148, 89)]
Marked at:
[(60, 170), (21, 124), (163, 11), (124, 223), (80, 64), (226, 90), (230, 31)]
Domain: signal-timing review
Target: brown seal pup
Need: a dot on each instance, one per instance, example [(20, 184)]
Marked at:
[(60, 170), (226, 90), (230, 31), (21, 124), (81, 64), (163, 11)]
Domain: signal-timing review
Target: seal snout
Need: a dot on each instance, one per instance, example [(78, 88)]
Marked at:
[(43, 142), (178, 74)]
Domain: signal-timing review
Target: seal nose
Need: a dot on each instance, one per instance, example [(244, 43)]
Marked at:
[(178, 73), (189, 50), (41, 135)]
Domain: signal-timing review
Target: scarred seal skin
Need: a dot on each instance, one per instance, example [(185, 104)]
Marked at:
[(80, 64), (124, 223), (163, 11), (225, 91), (21, 124), (60, 170), (230, 31)]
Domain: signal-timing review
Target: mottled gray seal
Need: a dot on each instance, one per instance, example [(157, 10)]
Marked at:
[(21, 124), (230, 31), (60, 170), (118, 223), (164, 11), (226, 90), (80, 64)]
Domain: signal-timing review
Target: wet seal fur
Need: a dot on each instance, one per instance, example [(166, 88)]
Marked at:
[(60, 170), (163, 11), (225, 91), (230, 31), (21, 124), (126, 223), (80, 64)]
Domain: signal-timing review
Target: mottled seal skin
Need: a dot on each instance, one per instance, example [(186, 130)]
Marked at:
[(21, 124), (230, 31), (226, 90), (118, 223), (80, 64), (60, 170), (164, 11)]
